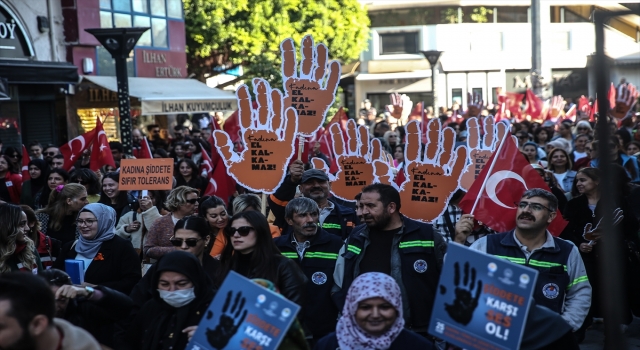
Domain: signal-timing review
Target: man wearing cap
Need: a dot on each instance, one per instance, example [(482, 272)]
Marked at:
[(334, 218)]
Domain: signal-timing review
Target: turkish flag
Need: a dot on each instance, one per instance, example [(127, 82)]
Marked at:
[(594, 110), (25, 164), (101, 152), (493, 195), (219, 182), (145, 150), (74, 148), (535, 105), (612, 96), (206, 167), (572, 113), (583, 106)]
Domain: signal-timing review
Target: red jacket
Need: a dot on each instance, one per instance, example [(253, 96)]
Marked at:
[(14, 186)]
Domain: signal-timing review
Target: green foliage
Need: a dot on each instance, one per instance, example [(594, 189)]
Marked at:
[(249, 32), (481, 14)]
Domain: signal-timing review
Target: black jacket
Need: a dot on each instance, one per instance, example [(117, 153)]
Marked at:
[(406, 340), (120, 269), (340, 221), (99, 317), (318, 264)]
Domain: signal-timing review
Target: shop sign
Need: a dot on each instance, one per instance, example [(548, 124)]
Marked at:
[(102, 95), (14, 42), (197, 106), (161, 64)]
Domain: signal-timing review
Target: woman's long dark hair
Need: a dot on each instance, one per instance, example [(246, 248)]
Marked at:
[(193, 223), (88, 178), (39, 183), (46, 191), (121, 199), (263, 262)]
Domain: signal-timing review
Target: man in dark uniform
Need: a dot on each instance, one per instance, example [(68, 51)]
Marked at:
[(314, 184), (316, 252), (391, 243)]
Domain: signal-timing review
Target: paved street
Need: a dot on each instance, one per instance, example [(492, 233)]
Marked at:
[(595, 336)]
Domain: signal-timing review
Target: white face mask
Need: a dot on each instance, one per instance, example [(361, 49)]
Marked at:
[(177, 298)]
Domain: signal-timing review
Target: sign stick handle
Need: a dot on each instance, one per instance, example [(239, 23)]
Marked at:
[(264, 204), (300, 147)]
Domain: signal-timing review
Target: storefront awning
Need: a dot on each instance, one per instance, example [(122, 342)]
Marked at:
[(37, 72), (172, 96)]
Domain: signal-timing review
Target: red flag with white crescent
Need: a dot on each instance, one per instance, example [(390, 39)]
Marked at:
[(101, 152), (25, 164), (74, 148)]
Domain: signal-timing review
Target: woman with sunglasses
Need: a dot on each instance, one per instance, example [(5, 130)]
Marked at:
[(182, 201), (55, 178), (89, 180), (251, 252), (15, 157), (17, 250), (58, 218), (38, 173), (10, 182), (109, 260)]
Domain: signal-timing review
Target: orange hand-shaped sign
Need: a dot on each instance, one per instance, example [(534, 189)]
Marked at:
[(433, 178), (355, 161), (480, 150), (626, 98), (268, 132), (312, 89)]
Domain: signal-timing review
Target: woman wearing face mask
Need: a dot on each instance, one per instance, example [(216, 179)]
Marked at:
[(48, 248), (17, 251), (38, 173), (181, 292), (10, 182), (55, 178), (214, 211), (188, 174), (113, 197), (250, 251), (108, 259), (58, 218), (372, 318)]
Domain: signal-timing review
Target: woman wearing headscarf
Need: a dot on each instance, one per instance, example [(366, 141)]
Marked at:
[(109, 260), (38, 173), (17, 250), (372, 318), (182, 292)]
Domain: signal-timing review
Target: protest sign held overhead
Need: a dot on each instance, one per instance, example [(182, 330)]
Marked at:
[(310, 88), (244, 315), (355, 157), (480, 148), (146, 174), (268, 131), (434, 176), (483, 301)]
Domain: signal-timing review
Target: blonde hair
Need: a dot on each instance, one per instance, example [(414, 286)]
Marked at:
[(10, 218), (57, 206), (178, 197)]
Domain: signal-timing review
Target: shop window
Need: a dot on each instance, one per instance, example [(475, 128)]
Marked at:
[(105, 19), (450, 15), (140, 6), (121, 20), (122, 5), (398, 43), (478, 92), (494, 95), (512, 14), (456, 96), (174, 8), (157, 8), (402, 17), (159, 32), (105, 4), (143, 21), (107, 66)]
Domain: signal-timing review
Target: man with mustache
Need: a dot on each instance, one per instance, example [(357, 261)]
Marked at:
[(314, 184), (562, 283), (315, 251), (407, 250)]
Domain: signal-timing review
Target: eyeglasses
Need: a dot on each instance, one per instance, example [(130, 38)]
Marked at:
[(191, 242), (192, 201), (242, 231), (88, 223), (533, 206)]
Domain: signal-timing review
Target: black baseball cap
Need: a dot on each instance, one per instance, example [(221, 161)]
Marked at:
[(314, 174)]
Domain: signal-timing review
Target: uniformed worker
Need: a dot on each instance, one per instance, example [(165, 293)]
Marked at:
[(405, 249), (316, 251), (334, 218), (562, 283)]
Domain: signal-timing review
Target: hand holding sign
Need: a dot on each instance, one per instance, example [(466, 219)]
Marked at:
[(268, 134), (432, 181), (626, 98), (312, 90), (594, 233), (355, 160), (480, 151)]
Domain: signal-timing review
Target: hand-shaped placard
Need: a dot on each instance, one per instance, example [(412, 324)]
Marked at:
[(430, 181), (355, 161), (480, 151), (474, 104), (556, 107), (268, 132), (312, 89), (626, 98)]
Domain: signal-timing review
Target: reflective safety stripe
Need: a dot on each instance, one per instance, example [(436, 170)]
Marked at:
[(354, 249), (411, 244), (328, 225), (290, 255), (321, 255), (578, 280), (520, 261), (532, 262)]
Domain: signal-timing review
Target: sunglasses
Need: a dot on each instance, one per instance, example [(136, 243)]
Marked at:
[(192, 201), (242, 231), (191, 242), (49, 153)]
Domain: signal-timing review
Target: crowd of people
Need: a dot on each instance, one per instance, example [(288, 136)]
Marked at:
[(154, 260)]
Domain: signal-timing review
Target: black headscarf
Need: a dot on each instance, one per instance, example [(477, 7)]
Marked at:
[(40, 182), (174, 320)]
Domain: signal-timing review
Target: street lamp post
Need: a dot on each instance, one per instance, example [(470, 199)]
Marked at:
[(119, 42), (433, 56)]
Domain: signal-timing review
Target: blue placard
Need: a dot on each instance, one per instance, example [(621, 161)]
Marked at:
[(244, 315), (482, 301), (75, 269)]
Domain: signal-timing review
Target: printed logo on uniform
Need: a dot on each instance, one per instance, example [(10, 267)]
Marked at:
[(420, 266), (319, 278), (550, 290)]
